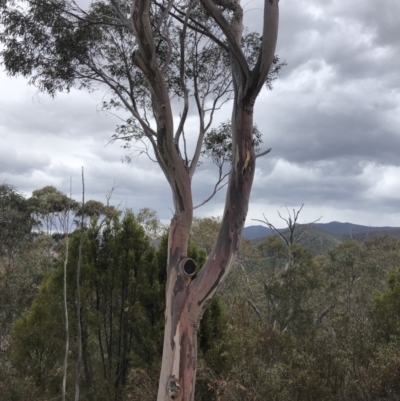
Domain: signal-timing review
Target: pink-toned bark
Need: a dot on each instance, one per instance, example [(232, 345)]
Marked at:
[(187, 295)]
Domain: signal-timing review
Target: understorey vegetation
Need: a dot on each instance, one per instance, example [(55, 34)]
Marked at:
[(287, 324)]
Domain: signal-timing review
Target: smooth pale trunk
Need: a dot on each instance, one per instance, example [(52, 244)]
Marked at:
[(188, 297)]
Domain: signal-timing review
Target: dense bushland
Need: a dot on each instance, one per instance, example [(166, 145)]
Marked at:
[(319, 328)]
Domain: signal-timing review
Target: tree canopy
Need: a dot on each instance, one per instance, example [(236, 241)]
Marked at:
[(15, 220), (327, 327), (59, 46), (148, 53)]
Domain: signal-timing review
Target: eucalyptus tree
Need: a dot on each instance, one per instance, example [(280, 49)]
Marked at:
[(51, 208), (147, 53), (15, 222), (15, 232), (150, 222)]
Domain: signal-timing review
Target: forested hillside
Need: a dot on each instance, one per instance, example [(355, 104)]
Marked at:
[(314, 239), (341, 230), (288, 324), (322, 237)]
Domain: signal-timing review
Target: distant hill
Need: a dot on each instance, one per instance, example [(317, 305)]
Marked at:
[(319, 241), (344, 229), (316, 240), (349, 229), (253, 232), (362, 236), (321, 237)]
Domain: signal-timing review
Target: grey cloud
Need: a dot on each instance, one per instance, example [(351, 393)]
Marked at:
[(137, 185), (384, 19), (326, 184), (21, 162), (308, 123), (70, 115), (356, 38), (332, 121)]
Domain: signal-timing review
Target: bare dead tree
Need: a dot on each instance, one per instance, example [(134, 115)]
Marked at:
[(289, 237)]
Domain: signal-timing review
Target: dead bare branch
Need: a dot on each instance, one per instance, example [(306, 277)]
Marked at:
[(289, 239)]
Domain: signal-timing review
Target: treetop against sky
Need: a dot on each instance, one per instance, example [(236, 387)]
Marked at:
[(331, 120)]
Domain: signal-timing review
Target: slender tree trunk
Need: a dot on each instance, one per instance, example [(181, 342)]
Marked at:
[(65, 369), (78, 297), (66, 232), (122, 333), (99, 335), (87, 368)]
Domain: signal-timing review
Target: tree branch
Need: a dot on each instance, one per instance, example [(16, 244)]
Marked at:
[(121, 15), (198, 27), (182, 67), (265, 152), (267, 52), (256, 310), (164, 14), (232, 32), (166, 37), (216, 189)]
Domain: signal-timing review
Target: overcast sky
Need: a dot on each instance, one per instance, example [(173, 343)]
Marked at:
[(332, 120)]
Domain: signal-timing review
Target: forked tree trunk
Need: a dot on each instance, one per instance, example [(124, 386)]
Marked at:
[(188, 293), (153, 53)]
